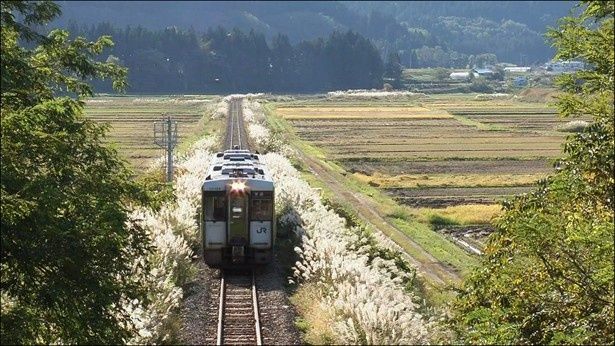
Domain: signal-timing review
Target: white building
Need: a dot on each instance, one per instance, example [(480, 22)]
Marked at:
[(564, 66), (518, 69), (461, 75)]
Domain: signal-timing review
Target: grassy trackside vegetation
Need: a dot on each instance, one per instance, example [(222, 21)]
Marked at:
[(316, 322)]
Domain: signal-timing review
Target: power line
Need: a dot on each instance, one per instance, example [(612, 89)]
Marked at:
[(165, 136)]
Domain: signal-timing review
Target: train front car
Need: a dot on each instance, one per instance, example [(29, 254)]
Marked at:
[(237, 218)]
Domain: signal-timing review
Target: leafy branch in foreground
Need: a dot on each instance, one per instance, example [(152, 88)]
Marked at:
[(67, 243), (547, 274)]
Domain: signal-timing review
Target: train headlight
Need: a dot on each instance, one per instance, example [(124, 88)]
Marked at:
[(238, 186)]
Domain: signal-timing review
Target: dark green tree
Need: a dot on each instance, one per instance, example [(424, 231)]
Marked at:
[(498, 73), (484, 60), (393, 70), (414, 61), (442, 74), (67, 244), (352, 62), (547, 276), (282, 64)]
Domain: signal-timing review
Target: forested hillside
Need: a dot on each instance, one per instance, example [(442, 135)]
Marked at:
[(425, 34), (173, 60)]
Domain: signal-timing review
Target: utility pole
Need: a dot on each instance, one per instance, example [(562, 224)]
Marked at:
[(165, 136)]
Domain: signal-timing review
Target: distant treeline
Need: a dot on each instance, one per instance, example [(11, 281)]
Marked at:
[(222, 61), (424, 33)]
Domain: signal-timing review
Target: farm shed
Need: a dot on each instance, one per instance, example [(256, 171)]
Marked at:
[(518, 69), (460, 75), (483, 72)]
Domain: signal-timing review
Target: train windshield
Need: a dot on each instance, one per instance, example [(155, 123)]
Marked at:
[(215, 208), (262, 206)]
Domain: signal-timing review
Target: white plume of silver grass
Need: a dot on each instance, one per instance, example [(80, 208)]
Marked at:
[(372, 94), (220, 109), (243, 96), (258, 133), (169, 262), (494, 96), (147, 99), (254, 115), (173, 231), (370, 295)]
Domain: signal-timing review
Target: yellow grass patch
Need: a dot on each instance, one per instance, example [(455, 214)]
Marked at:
[(362, 113), (447, 180), (468, 214), (317, 318)]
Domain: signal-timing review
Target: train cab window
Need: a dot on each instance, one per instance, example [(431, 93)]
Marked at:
[(262, 206), (215, 208)]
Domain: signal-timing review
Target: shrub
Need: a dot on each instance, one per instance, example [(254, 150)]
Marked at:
[(575, 126), (480, 85)]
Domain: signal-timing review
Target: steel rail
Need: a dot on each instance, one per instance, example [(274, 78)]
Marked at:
[(220, 311), (257, 320), (233, 315), (239, 123), (232, 121)]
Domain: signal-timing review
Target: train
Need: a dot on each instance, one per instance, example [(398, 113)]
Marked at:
[(238, 225)]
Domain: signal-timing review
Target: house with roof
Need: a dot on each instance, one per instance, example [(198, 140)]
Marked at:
[(483, 72), (564, 66)]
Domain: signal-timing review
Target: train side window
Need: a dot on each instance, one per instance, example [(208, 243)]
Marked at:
[(262, 209), (215, 208)]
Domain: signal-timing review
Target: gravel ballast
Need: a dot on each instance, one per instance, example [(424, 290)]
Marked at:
[(199, 310)]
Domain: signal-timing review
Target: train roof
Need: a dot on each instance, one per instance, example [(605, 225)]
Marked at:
[(237, 164)]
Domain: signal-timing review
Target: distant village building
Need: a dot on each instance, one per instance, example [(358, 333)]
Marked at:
[(460, 75), (518, 69), (564, 66), (476, 72), (483, 72)]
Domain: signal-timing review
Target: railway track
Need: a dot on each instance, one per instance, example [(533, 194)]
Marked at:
[(238, 315), (235, 131)]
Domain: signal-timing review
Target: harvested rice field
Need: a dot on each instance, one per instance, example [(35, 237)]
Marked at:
[(131, 120), (440, 197), (418, 136), (336, 113), (435, 152)]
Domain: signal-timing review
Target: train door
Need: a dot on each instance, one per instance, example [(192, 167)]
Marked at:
[(213, 225), (261, 225), (238, 228)]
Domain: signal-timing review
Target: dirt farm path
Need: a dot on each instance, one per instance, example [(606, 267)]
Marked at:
[(367, 210)]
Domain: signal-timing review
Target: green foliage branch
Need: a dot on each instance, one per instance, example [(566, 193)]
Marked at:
[(547, 273), (68, 248)]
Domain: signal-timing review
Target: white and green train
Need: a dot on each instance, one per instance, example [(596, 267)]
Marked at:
[(237, 216)]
